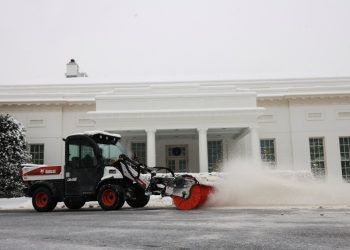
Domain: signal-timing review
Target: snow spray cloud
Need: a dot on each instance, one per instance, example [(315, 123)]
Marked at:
[(246, 184)]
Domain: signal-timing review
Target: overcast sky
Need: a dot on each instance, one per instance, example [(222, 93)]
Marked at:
[(161, 40)]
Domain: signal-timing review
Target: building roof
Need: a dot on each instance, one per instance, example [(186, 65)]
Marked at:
[(86, 90)]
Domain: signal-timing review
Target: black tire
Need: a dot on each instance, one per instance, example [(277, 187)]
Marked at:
[(74, 203), (138, 198), (111, 197), (43, 200)]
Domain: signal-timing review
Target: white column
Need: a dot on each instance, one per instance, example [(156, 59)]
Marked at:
[(203, 149), (255, 145), (151, 147), (128, 148), (333, 160)]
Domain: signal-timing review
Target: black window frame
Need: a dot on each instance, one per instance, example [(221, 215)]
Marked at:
[(317, 156), (215, 158), (38, 156), (344, 151), (268, 152)]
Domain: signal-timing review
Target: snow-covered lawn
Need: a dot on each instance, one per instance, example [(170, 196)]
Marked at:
[(16, 203)]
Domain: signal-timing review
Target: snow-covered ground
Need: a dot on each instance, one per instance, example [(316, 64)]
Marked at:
[(248, 187), (155, 201), (16, 203), (26, 203)]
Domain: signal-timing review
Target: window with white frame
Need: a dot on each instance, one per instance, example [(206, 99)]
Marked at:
[(214, 155), (268, 152), (37, 152), (344, 144), (318, 165), (176, 158), (139, 151)]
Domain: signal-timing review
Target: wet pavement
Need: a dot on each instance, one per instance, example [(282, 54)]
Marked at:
[(168, 228)]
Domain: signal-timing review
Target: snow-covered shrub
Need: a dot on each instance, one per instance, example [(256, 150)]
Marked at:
[(13, 152)]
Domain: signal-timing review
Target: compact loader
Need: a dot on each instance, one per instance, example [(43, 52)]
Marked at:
[(97, 168)]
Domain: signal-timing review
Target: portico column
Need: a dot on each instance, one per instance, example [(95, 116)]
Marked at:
[(203, 149), (255, 145), (128, 148), (333, 160), (151, 147)]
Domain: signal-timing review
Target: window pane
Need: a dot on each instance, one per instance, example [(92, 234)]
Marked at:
[(139, 150), (344, 144), (171, 164), (111, 152), (74, 156), (317, 157), (214, 155), (182, 165), (37, 152), (267, 152), (88, 159)]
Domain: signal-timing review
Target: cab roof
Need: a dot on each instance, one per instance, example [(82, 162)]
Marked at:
[(100, 136)]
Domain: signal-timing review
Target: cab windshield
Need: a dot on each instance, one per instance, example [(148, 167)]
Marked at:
[(111, 152)]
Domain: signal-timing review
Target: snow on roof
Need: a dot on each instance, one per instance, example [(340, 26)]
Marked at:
[(89, 91), (90, 81), (98, 132)]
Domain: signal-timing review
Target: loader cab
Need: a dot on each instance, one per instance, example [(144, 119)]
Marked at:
[(86, 156)]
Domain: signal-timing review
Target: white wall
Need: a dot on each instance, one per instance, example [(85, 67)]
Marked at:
[(75, 119), (319, 118), (288, 121), (292, 122), (49, 124), (43, 125), (275, 124)]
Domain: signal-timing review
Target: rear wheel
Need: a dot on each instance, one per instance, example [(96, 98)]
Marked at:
[(74, 203), (111, 197), (43, 200), (138, 197)]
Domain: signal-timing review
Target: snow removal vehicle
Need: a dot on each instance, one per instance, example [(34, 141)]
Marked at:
[(97, 168)]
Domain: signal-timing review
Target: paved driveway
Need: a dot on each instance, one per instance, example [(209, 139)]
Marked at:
[(168, 228)]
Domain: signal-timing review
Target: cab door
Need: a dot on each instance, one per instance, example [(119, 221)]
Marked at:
[(82, 169)]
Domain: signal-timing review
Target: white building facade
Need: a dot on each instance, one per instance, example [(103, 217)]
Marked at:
[(300, 124)]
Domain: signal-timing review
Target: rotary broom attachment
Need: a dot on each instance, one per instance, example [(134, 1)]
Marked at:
[(198, 196), (187, 193), (185, 190)]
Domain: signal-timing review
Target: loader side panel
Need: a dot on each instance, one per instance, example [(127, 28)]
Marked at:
[(35, 172), (55, 186)]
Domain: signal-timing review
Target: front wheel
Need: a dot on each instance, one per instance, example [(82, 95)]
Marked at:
[(43, 200), (111, 197), (138, 198), (74, 203)]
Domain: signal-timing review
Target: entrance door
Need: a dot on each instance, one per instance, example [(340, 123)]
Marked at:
[(176, 158)]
